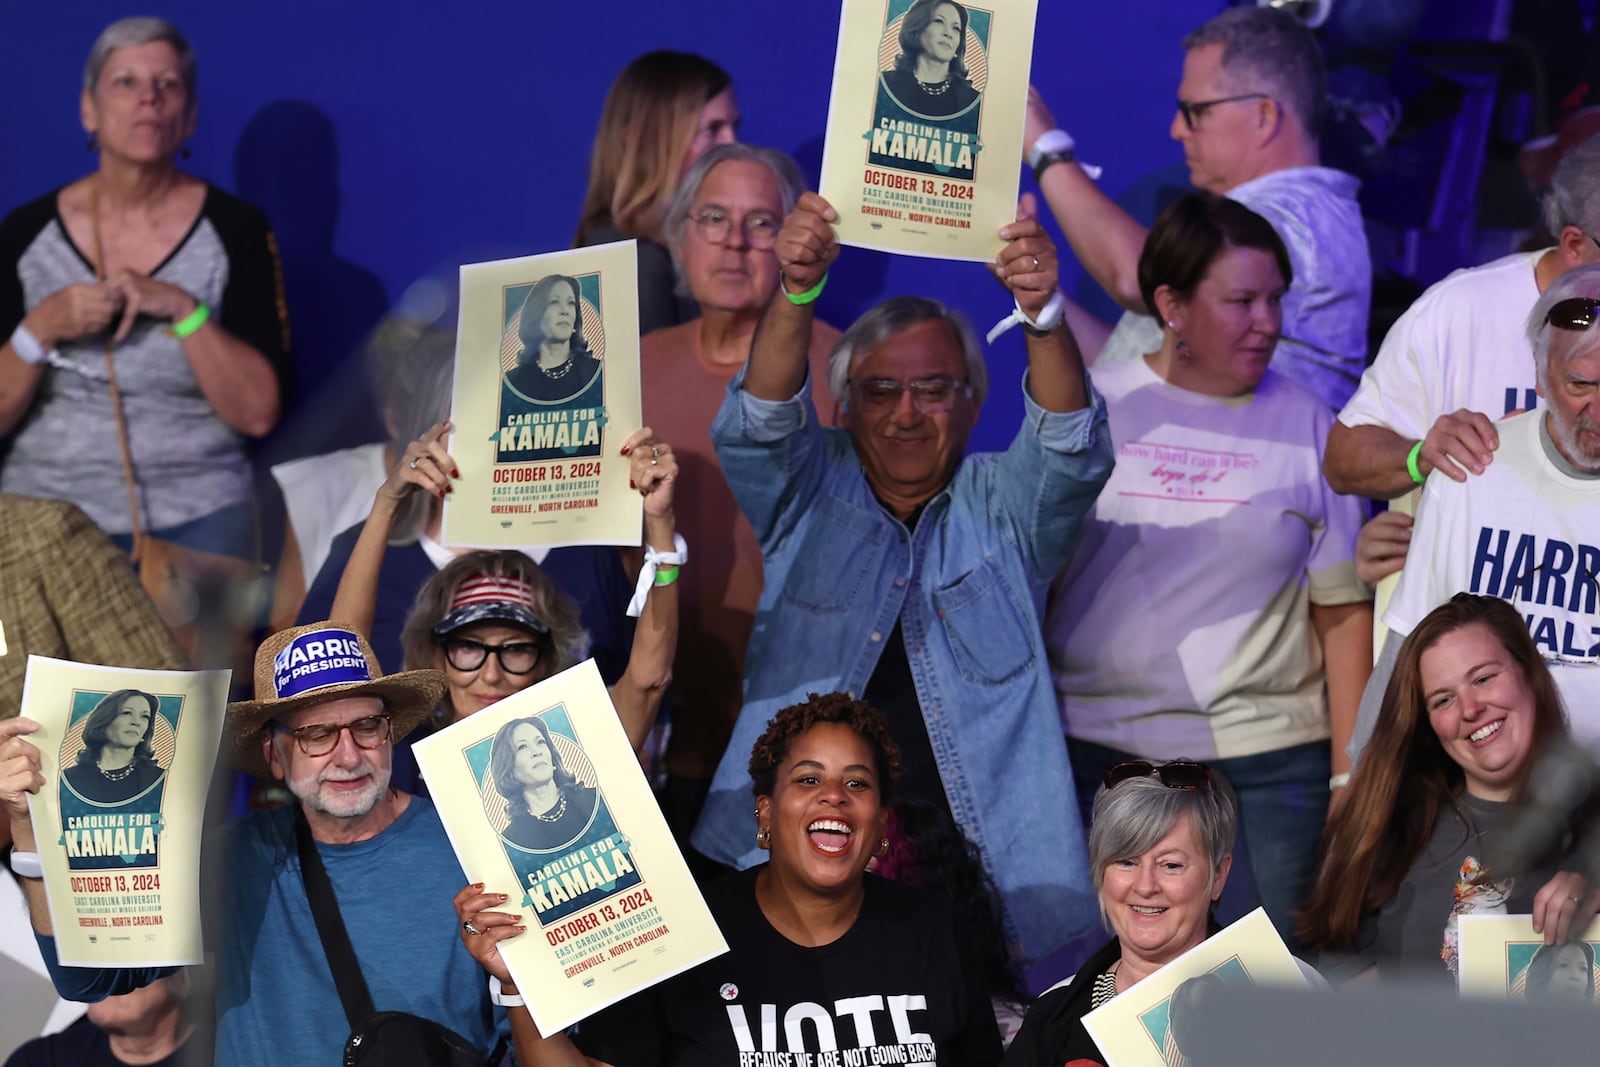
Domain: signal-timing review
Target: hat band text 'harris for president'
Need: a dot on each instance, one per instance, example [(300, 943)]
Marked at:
[(317, 660)]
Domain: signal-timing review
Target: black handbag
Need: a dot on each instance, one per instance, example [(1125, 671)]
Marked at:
[(389, 1038)]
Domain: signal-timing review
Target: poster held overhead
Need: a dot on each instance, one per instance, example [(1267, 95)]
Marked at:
[(546, 389), (923, 153)]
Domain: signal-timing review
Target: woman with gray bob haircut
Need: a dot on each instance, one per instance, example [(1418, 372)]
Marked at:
[(137, 30), (174, 283), (1160, 845)]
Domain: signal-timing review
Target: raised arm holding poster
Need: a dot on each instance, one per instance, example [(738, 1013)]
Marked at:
[(925, 124), (128, 755), (543, 791), (546, 388)]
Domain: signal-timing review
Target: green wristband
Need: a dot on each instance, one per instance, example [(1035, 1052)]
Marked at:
[(807, 297), (191, 322), (666, 575), (1411, 463)]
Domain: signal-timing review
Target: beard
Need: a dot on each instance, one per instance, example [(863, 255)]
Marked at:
[(1570, 439), (312, 792)]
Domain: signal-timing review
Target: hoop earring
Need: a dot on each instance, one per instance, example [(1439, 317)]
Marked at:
[(882, 849), (764, 839), (91, 144)]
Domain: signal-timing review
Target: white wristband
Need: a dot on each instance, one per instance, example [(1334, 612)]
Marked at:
[(1340, 780), (1050, 141), (1050, 316), (27, 346), (27, 864), (647, 573), (498, 997)]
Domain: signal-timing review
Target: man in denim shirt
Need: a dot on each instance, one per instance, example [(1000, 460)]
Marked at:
[(899, 570)]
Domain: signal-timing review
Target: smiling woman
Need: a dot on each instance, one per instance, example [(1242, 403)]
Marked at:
[(1468, 710), (1161, 846), (810, 934)]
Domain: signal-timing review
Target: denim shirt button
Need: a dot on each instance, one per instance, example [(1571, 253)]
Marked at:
[(899, 581), (876, 637)]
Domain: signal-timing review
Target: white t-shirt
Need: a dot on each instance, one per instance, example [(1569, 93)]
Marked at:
[(326, 495), (1461, 345), (1182, 626), (1528, 533)]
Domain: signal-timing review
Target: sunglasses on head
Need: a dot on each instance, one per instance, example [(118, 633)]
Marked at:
[(1174, 774), (1574, 313)]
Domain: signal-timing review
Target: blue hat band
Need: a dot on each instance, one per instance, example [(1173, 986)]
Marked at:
[(318, 660)]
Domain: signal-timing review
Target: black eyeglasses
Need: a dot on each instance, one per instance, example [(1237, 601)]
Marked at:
[(321, 738), (1191, 112), (1574, 313), (931, 396), (760, 228), (516, 657), (1174, 774)]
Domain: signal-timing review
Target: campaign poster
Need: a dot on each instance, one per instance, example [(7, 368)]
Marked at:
[(1152, 1024), (1502, 958), (923, 153), (546, 389), (126, 757), (544, 800)]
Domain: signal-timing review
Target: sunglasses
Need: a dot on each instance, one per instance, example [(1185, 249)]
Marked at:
[(1576, 313), (1174, 774)]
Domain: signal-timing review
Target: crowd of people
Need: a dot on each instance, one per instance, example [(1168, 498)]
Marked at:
[(1124, 676)]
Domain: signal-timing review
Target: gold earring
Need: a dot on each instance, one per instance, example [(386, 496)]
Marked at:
[(883, 848), (764, 839)]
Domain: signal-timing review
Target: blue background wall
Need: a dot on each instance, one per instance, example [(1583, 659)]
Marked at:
[(390, 141)]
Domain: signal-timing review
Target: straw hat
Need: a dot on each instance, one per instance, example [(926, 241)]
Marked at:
[(307, 665)]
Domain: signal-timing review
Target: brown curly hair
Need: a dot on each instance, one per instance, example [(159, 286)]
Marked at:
[(772, 747)]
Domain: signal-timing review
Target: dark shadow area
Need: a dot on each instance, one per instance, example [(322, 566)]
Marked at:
[(287, 163)]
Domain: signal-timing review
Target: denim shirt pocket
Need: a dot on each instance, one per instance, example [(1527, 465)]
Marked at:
[(840, 549), (990, 634)]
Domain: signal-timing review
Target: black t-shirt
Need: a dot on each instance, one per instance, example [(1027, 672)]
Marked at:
[(903, 986), (892, 690)]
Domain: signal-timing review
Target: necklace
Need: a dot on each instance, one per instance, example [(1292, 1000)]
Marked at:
[(560, 371), (938, 88), (116, 775), (555, 813)]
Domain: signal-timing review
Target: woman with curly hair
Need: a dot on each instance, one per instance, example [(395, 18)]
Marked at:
[(1469, 710), (821, 955)]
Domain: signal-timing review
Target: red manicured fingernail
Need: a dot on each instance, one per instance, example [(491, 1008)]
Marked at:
[(455, 472), (631, 485)]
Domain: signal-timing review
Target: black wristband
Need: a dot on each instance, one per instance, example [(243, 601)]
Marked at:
[(1048, 159)]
